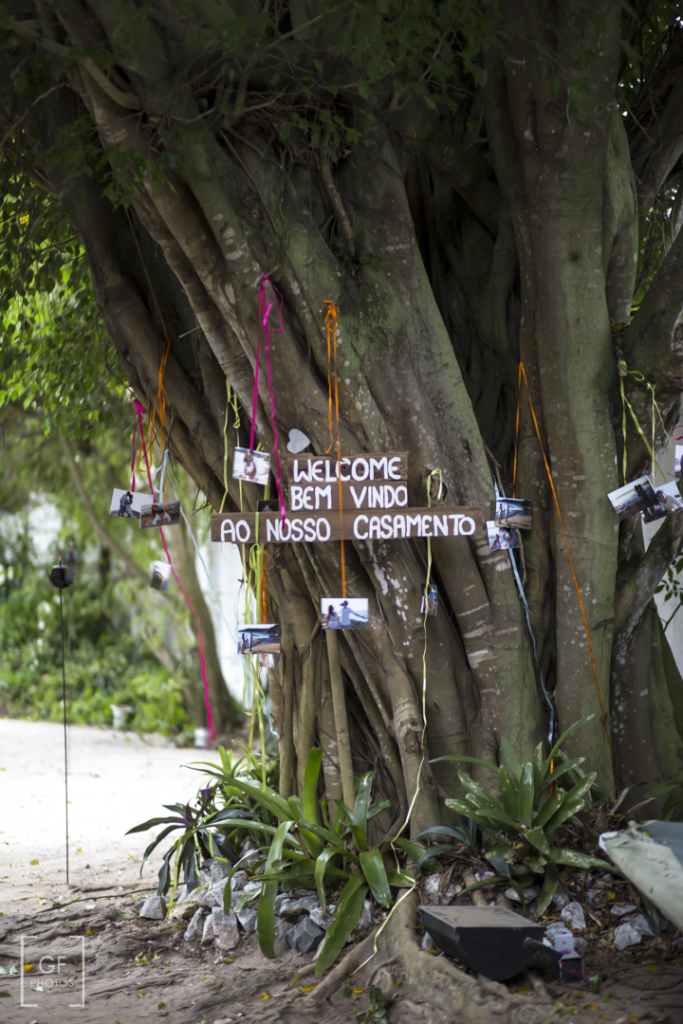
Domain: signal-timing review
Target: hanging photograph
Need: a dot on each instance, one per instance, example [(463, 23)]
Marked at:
[(501, 538), (344, 613), (668, 501), (513, 512), (678, 461), (158, 514), (633, 497), (261, 639), (128, 504), (254, 467), (268, 505), (266, 660), (161, 576), (430, 600)]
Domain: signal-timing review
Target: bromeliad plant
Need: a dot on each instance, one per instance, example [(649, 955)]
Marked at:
[(217, 825), (534, 803), (303, 853)]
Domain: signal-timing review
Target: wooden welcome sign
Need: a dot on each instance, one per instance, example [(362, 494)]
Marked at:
[(369, 482)]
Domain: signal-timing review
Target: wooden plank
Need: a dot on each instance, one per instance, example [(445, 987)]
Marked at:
[(305, 497), (320, 527), (322, 469)]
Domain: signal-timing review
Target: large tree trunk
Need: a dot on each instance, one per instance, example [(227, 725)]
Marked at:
[(469, 240)]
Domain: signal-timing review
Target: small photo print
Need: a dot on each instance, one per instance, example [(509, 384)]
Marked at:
[(668, 501), (266, 660), (430, 600), (128, 504), (633, 497), (344, 613), (678, 461), (501, 538), (269, 505), (160, 514), (161, 576), (513, 512), (261, 639), (253, 467)]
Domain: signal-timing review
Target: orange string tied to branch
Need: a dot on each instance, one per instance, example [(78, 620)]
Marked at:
[(331, 325), (522, 374)]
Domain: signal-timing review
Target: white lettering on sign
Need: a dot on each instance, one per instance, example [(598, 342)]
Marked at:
[(358, 501), (359, 469), (395, 468), (313, 498)]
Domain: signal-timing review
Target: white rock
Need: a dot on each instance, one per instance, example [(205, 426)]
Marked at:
[(626, 935), (621, 910), (154, 908), (574, 917), (225, 928), (208, 935), (195, 927), (641, 924)]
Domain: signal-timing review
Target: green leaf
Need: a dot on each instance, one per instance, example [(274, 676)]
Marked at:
[(483, 798), (375, 873), (400, 878), (572, 858), (550, 883), (265, 913), (310, 788), (347, 912), (563, 737), (461, 757), (537, 762), (321, 864), (509, 793), (360, 809), (538, 838), (512, 760), (526, 795), (550, 807)]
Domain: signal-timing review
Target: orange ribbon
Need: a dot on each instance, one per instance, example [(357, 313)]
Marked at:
[(331, 325), (522, 373)]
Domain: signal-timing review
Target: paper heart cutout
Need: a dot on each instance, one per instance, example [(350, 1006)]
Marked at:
[(297, 441)]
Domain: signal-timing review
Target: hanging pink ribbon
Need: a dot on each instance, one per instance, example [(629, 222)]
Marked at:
[(263, 315), (132, 465), (679, 426), (209, 717)]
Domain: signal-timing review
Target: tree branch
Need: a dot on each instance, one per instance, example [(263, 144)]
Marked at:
[(639, 589)]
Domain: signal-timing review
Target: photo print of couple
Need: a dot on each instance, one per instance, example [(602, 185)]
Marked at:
[(344, 613), (254, 467), (501, 538), (161, 576), (513, 512), (160, 514), (261, 639), (640, 496), (678, 461), (668, 501), (128, 504), (632, 498)]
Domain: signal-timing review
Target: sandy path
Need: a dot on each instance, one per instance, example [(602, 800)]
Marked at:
[(116, 780)]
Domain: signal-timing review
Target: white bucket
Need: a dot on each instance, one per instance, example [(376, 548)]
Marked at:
[(120, 712), (201, 737)]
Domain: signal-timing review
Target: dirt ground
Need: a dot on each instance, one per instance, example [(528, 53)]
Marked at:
[(95, 961)]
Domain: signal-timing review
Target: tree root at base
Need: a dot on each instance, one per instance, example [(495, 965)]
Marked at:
[(434, 980)]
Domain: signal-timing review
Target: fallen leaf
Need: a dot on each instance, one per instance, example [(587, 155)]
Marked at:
[(307, 988), (28, 967), (34, 862), (522, 991), (160, 1006), (263, 997), (357, 991), (591, 1006)]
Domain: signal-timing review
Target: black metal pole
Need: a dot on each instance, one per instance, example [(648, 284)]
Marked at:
[(66, 763)]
